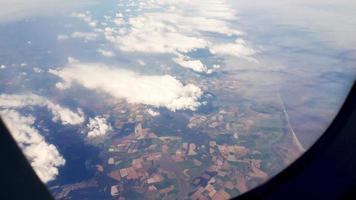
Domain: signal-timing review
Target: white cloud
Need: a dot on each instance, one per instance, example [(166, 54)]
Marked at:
[(37, 70), (44, 158), (151, 36), (72, 60), (119, 21), (178, 27), (106, 53), (98, 127), (87, 36), (152, 113), (84, 35), (159, 91), (59, 113), (85, 16), (62, 37), (238, 49), (141, 62), (195, 65)]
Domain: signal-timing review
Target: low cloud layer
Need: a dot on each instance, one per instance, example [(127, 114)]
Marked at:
[(159, 91), (44, 158), (59, 113), (175, 28)]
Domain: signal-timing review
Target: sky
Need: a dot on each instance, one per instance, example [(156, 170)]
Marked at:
[(332, 20), (16, 10)]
